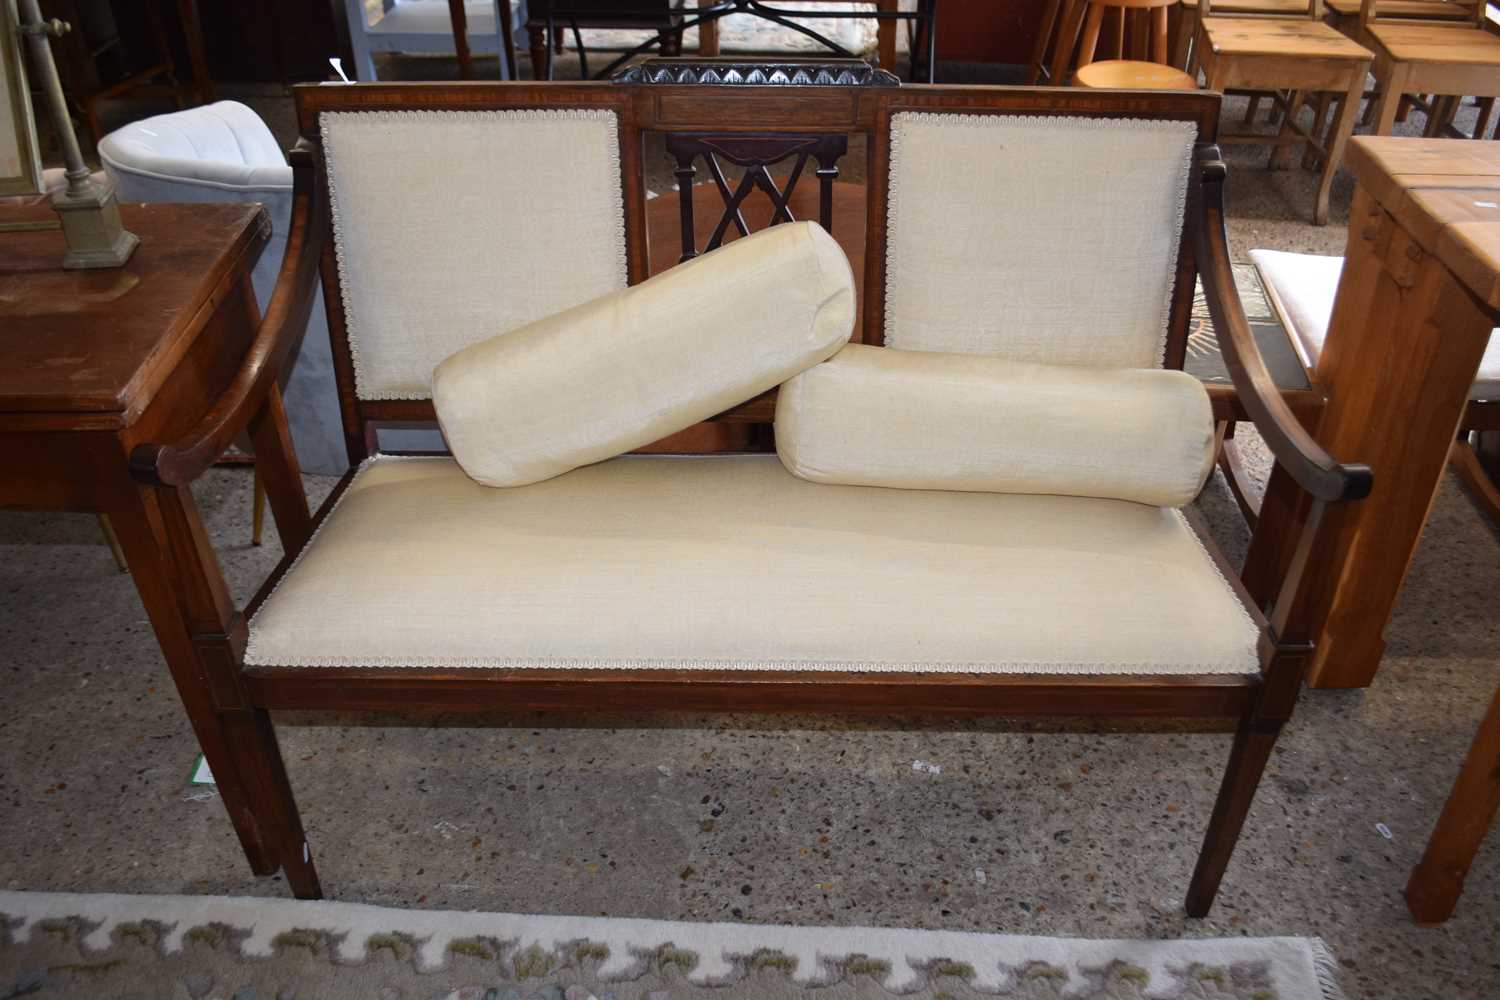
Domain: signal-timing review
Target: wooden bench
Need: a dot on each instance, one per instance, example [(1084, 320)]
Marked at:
[(891, 563)]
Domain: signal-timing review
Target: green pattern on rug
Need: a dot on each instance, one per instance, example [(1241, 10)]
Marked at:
[(146, 947)]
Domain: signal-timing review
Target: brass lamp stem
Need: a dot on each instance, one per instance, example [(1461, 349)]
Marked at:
[(88, 209)]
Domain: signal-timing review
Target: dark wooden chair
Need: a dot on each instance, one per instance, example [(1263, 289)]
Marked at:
[(245, 675)]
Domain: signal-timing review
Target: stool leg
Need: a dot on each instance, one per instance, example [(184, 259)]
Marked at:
[(1281, 155), (1311, 157), (1067, 41), (1091, 27)]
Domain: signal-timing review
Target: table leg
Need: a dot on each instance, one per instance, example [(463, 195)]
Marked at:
[(1396, 393), (1435, 885), (201, 636)]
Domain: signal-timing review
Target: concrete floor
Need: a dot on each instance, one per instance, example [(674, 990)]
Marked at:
[(1065, 830)]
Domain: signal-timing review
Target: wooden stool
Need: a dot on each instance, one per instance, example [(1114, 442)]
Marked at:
[(1143, 36), (1132, 74)]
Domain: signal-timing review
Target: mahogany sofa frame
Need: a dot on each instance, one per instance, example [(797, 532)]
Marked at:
[(233, 720)]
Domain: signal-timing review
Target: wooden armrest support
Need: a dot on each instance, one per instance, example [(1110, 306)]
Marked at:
[(1312, 467), (179, 462)]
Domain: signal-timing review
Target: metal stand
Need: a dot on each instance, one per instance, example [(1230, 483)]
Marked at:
[(88, 210)]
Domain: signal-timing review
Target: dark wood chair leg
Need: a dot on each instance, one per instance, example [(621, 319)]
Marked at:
[(202, 635), (260, 761), (541, 56), (1252, 748)]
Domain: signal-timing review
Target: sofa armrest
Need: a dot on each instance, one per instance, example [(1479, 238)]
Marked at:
[(281, 329), (1303, 458)]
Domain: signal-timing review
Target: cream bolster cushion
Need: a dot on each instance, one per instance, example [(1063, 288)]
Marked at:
[(636, 365), (878, 416)]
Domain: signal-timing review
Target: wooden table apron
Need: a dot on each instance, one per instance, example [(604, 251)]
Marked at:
[(1419, 297), (96, 362)]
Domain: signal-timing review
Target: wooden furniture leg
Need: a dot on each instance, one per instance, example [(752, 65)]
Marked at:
[(708, 34), (1343, 128), (886, 29), (113, 541), (277, 474), (1235, 475), (1396, 393), (202, 634), (192, 33), (1465, 462), (1252, 749), (1281, 155), (1391, 96), (1438, 880), (257, 509), (1187, 30), (142, 535), (1067, 42), (541, 54), (1050, 15), (459, 20)]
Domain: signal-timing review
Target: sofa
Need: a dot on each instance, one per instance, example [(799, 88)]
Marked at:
[(1051, 230)]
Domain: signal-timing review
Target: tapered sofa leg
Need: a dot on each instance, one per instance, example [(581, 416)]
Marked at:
[(259, 758), (1252, 748)]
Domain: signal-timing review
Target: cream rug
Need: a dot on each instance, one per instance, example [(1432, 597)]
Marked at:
[(140, 947)]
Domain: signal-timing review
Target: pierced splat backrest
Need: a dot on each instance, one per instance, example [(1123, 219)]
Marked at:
[(757, 154)]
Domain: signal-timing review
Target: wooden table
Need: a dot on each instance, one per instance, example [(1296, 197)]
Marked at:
[(1419, 296), (96, 363)]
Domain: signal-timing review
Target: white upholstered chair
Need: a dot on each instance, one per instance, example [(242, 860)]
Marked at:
[(426, 26), (224, 152)]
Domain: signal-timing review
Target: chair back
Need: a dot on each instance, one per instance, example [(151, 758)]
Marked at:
[(453, 226), (1035, 237), (1031, 224), (1430, 13), (1314, 10)]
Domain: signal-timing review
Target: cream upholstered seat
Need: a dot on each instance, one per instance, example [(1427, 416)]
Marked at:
[(1303, 287), (730, 562)]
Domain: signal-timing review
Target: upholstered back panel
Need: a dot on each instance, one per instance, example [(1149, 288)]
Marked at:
[(1043, 239), (452, 225)]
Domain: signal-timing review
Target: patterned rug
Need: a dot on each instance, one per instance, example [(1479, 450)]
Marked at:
[(221, 948)]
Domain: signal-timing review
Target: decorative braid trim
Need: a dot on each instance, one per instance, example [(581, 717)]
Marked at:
[(616, 196), (1103, 668), (1245, 616), (1182, 175)]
